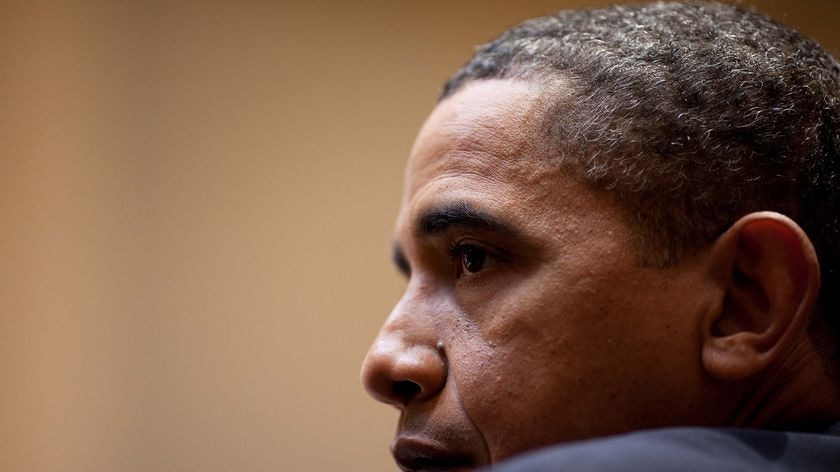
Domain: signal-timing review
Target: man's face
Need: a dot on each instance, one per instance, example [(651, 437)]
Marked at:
[(527, 319)]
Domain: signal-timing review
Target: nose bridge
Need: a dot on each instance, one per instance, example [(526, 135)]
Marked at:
[(404, 363), (412, 316)]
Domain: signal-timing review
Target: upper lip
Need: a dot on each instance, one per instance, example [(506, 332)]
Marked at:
[(418, 454)]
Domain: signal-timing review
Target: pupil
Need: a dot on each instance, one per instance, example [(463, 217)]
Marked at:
[(473, 259)]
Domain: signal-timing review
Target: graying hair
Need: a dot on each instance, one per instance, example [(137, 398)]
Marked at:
[(692, 115)]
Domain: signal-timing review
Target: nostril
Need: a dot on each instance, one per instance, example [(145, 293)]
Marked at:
[(397, 372), (405, 390)]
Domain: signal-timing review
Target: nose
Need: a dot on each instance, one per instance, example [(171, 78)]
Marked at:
[(401, 368)]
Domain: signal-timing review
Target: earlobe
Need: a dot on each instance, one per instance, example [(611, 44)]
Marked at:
[(769, 272)]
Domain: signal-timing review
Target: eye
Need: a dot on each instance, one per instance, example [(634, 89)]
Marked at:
[(471, 259)]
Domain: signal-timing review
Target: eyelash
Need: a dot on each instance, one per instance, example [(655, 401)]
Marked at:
[(456, 252)]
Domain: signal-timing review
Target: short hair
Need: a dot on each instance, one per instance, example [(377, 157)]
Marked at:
[(693, 115)]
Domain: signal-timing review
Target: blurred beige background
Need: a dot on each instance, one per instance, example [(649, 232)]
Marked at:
[(195, 208)]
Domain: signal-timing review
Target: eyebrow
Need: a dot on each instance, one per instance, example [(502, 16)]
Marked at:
[(460, 215)]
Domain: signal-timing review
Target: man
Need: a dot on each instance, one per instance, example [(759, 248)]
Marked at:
[(622, 220)]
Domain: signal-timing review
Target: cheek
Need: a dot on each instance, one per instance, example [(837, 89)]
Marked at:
[(518, 377), (518, 397), (535, 368)]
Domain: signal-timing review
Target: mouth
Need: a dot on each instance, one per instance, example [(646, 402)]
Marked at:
[(420, 455)]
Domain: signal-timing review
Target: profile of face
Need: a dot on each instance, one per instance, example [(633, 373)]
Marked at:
[(528, 318)]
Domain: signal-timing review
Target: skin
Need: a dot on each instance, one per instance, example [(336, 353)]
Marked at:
[(528, 318)]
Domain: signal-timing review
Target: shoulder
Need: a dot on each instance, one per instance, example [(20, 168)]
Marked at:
[(688, 450)]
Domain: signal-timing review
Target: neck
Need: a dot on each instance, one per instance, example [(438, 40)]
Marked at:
[(797, 393)]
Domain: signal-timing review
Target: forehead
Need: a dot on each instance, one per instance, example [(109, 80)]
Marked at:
[(481, 147), (488, 128)]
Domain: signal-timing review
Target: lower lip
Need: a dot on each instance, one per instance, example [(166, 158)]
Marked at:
[(436, 466), (420, 456)]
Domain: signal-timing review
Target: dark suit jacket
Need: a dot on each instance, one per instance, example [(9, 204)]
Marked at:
[(690, 450)]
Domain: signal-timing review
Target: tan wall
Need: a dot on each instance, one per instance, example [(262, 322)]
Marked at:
[(195, 210)]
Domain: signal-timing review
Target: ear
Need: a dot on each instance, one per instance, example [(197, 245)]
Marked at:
[(770, 276)]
